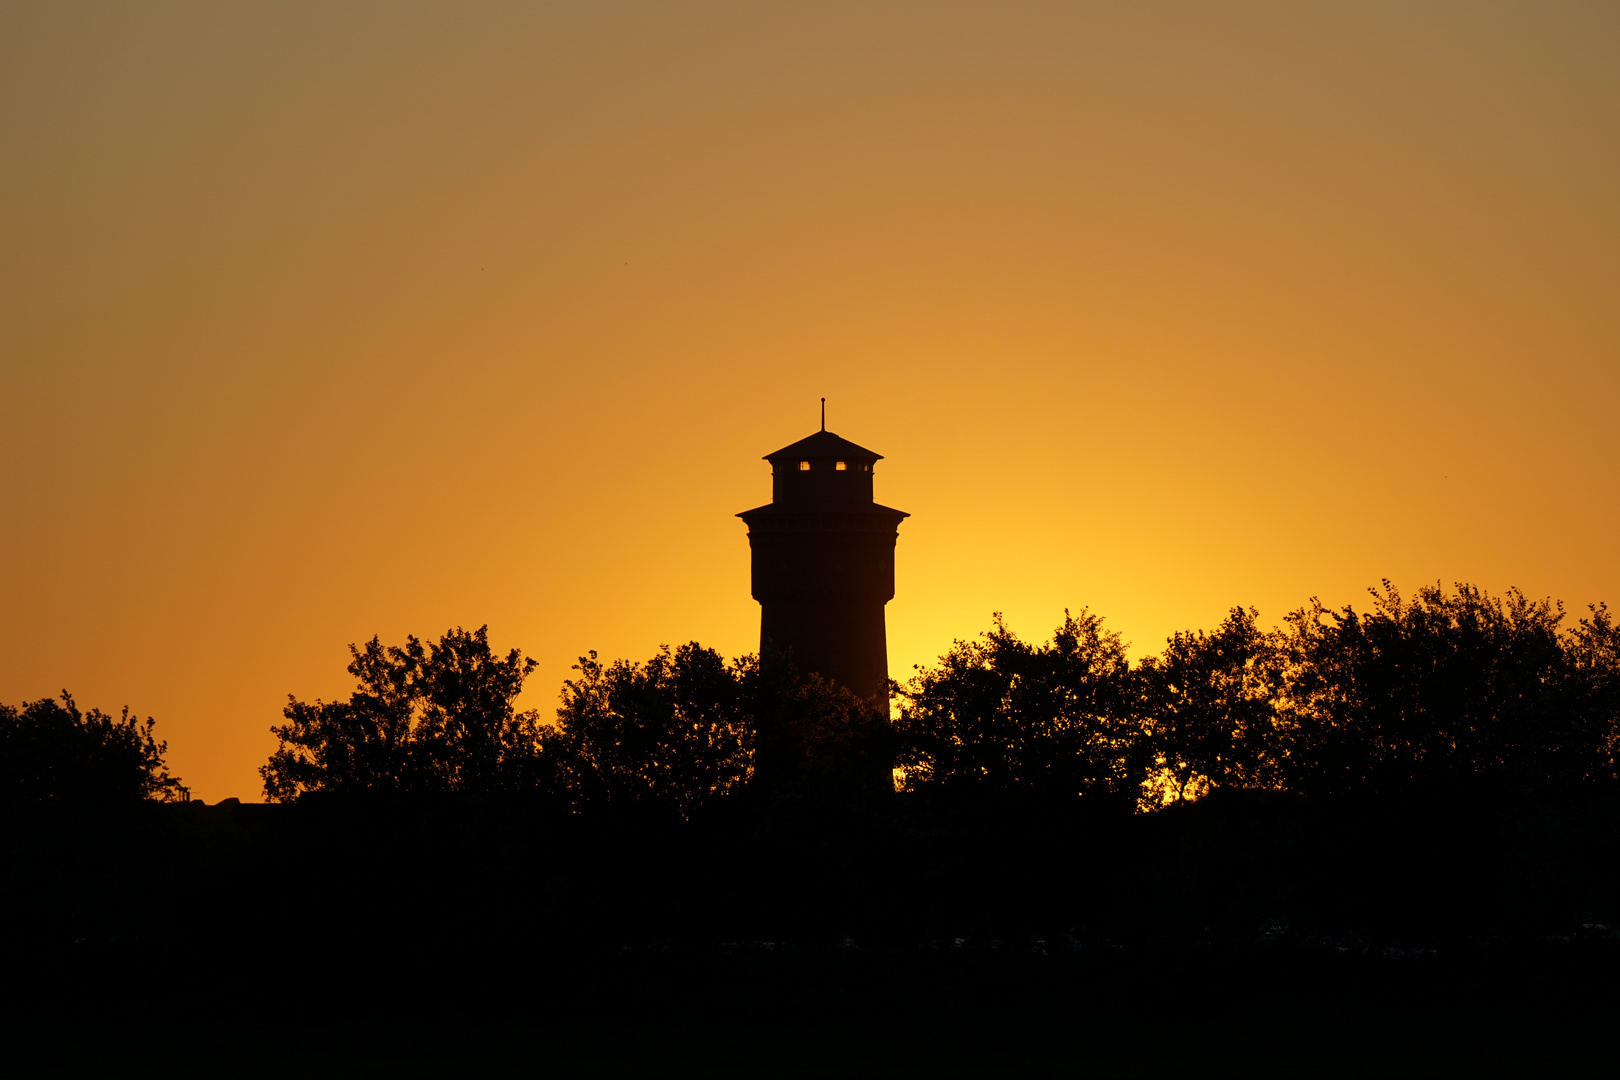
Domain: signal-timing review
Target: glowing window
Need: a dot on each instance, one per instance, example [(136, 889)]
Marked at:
[(804, 466), (841, 466)]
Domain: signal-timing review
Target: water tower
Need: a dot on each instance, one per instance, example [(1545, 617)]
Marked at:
[(823, 563)]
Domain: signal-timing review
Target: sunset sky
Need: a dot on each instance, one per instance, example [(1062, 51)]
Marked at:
[(319, 321)]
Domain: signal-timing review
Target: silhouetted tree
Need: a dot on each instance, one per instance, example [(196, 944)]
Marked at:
[(1002, 714), (1444, 689), (815, 736), (1592, 651), (51, 751), (1434, 690), (674, 731), (1209, 704), (425, 718)]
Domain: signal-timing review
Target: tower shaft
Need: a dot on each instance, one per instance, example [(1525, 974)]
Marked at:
[(822, 581)]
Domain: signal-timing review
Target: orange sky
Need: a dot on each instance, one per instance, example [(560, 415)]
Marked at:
[(319, 321)]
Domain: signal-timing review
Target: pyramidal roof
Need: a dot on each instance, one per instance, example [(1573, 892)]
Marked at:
[(823, 444)]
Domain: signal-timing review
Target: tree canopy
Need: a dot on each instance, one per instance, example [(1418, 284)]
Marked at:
[(1000, 713), (674, 731), (436, 717), (1442, 689), (670, 734), (50, 751)]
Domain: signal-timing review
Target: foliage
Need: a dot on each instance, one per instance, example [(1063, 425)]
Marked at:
[(816, 737), (1002, 714), (51, 751), (1592, 677), (674, 731), (1208, 702), (1434, 690), (1446, 689), (438, 717)]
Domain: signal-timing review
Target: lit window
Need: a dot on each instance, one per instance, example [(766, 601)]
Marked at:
[(804, 466), (841, 466)]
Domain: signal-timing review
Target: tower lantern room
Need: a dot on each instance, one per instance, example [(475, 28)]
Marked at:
[(822, 469)]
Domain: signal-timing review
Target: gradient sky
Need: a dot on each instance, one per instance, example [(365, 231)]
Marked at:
[(319, 321)]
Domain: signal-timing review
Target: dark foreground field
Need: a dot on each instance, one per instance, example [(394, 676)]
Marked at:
[(1456, 936), (908, 1015)]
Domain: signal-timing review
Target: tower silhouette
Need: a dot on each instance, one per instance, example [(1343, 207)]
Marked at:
[(823, 563)]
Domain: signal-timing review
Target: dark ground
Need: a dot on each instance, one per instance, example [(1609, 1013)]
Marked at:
[(1240, 936)]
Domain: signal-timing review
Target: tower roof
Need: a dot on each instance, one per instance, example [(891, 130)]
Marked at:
[(823, 444)]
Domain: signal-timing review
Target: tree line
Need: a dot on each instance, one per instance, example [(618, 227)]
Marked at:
[(677, 731), (1433, 691), (1442, 690)]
